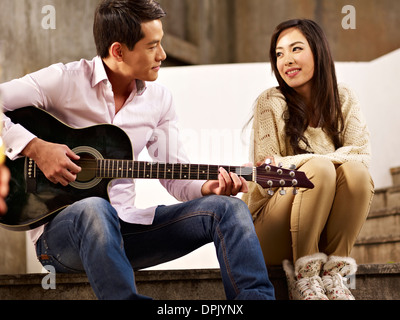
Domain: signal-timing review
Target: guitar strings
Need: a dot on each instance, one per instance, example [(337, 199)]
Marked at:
[(176, 171)]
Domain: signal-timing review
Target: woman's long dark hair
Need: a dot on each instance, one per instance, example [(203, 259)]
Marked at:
[(325, 96)]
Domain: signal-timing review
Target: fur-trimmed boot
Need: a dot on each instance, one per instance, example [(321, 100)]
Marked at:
[(304, 282), (333, 272)]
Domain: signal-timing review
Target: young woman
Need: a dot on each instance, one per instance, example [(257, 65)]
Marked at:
[(314, 123)]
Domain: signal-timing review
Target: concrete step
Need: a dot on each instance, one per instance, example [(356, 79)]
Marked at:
[(395, 173), (377, 250), (381, 223), (379, 239), (386, 198), (372, 282)]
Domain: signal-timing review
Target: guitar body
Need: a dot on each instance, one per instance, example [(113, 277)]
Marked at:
[(35, 201)]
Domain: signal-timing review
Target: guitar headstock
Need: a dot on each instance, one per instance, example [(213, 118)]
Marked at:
[(269, 176)]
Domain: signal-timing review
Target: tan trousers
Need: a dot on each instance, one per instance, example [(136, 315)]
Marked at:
[(325, 219)]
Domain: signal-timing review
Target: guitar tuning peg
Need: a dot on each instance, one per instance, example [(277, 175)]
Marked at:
[(268, 165), (282, 192), (280, 166), (292, 167), (294, 184), (270, 191)]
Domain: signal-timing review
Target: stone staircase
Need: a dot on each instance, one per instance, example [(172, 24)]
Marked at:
[(379, 240), (377, 252), (373, 282)]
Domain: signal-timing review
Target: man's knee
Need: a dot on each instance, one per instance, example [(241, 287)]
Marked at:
[(231, 208), (95, 212)]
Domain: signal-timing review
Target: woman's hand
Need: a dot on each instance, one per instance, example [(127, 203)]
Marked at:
[(270, 160)]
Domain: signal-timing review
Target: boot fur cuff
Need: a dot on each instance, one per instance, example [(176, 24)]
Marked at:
[(344, 265), (289, 270), (316, 256)]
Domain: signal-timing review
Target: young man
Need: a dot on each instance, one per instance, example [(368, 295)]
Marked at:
[(108, 240)]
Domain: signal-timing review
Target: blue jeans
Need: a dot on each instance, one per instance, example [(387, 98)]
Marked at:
[(88, 236)]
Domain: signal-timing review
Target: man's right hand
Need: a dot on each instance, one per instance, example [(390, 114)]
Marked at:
[(54, 160)]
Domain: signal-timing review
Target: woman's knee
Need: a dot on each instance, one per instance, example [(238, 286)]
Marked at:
[(320, 171), (356, 176)]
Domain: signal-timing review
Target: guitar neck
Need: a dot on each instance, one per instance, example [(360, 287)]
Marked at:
[(113, 169)]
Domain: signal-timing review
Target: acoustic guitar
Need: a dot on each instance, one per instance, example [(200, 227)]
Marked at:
[(105, 154)]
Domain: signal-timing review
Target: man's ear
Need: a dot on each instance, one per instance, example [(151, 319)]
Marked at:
[(116, 51)]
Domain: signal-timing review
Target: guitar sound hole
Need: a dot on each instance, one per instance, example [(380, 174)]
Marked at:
[(88, 164)]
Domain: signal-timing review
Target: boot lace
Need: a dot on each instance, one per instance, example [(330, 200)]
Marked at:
[(311, 286), (333, 281)]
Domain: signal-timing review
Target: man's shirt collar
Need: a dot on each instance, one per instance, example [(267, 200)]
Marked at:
[(100, 74)]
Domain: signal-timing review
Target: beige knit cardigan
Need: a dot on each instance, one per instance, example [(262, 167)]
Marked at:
[(269, 139)]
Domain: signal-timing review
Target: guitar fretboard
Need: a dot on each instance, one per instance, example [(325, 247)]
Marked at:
[(150, 170)]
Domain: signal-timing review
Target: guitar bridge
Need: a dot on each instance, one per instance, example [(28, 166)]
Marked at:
[(30, 175)]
